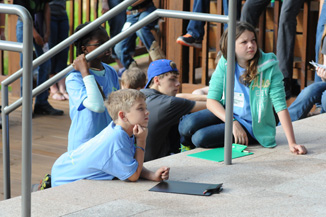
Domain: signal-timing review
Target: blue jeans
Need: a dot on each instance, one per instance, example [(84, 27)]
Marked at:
[(126, 46), (319, 33), (116, 23), (44, 69), (314, 93), (59, 32), (226, 10), (204, 129), (196, 28)]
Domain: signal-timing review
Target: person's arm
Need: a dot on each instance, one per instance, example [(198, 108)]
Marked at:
[(140, 134), (286, 123), (105, 6), (95, 99), (160, 174), (190, 96), (37, 37), (240, 135), (47, 18), (199, 105)]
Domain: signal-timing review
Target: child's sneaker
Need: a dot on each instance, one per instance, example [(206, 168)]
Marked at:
[(45, 182), (184, 148), (188, 40)]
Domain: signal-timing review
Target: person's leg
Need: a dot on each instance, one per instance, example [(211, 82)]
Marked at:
[(126, 46), (226, 10), (196, 28), (43, 74), (116, 23), (306, 99), (323, 102), (62, 57), (252, 9), (286, 39), (191, 123), (144, 33), (53, 41), (319, 33)]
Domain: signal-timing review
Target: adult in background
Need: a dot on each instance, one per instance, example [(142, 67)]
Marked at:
[(40, 38), (59, 32), (116, 23), (124, 48)]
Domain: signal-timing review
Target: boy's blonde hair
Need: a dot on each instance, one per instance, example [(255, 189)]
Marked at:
[(133, 78), (122, 100)]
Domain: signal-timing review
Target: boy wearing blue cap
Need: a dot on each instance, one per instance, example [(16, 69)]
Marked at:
[(165, 109)]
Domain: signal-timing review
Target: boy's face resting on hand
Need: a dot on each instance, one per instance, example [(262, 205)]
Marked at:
[(138, 113)]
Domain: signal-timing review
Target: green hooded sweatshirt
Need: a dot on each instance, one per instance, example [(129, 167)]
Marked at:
[(265, 91)]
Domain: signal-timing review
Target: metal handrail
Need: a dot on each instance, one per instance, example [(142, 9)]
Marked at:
[(27, 50), (148, 19)]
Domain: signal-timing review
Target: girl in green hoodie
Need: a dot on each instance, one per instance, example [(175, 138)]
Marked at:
[(258, 88)]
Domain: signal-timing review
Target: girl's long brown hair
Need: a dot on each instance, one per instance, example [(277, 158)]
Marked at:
[(252, 67)]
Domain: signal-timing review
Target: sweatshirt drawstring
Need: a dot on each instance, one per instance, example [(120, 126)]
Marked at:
[(260, 93)]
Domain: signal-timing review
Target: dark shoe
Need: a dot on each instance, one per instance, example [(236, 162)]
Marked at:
[(45, 182), (46, 109), (188, 40)]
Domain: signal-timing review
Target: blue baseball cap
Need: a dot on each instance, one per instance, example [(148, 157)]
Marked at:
[(159, 67)]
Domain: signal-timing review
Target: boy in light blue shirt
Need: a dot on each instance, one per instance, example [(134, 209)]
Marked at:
[(112, 153)]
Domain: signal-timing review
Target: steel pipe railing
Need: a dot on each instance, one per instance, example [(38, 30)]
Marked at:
[(29, 65), (27, 50)]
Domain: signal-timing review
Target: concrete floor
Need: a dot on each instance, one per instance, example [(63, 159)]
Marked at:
[(271, 182)]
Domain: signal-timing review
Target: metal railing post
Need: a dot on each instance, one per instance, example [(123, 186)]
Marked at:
[(230, 83), (28, 93), (27, 50)]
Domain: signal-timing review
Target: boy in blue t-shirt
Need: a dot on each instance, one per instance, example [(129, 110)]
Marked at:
[(112, 153)]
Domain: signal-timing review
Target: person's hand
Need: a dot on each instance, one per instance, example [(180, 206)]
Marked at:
[(240, 135), (46, 37), (162, 174), (321, 72), (81, 65), (141, 134), (298, 149), (38, 39)]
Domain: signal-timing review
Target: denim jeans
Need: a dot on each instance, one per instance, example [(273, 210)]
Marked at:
[(314, 93), (226, 10), (204, 129), (286, 31), (127, 45), (44, 69), (116, 23), (319, 33), (59, 32), (196, 28)]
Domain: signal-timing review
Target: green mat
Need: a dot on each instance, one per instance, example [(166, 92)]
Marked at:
[(217, 154)]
